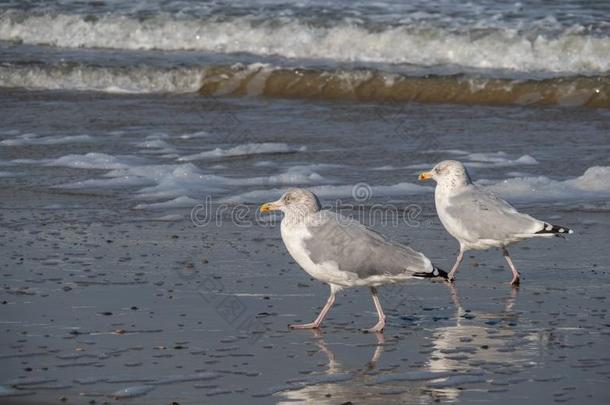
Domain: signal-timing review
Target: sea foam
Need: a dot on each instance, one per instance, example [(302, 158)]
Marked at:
[(34, 139), (593, 185), (244, 150), (175, 184)]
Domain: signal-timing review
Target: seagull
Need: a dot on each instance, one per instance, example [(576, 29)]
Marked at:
[(342, 252), (479, 219)]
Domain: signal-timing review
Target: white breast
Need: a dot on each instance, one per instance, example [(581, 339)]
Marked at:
[(441, 199), (294, 237)]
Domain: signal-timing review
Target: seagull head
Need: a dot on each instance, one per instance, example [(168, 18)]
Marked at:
[(447, 172), (294, 201)]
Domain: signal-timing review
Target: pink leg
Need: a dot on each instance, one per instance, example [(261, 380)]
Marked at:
[(454, 269), (378, 350), (381, 322), (316, 324), (515, 281)]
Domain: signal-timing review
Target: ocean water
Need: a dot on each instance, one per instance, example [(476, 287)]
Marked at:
[(480, 52)]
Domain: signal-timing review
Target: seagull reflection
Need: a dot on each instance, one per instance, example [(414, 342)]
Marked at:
[(336, 381), (334, 366), (477, 346), (480, 338)]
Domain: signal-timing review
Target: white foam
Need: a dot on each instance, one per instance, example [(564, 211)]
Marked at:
[(243, 150), (178, 184), (33, 139), (179, 202), (134, 79), (497, 159), (480, 159), (94, 160), (154, 143), (333, 191), (124, 181), (163, 181), (157, 145), (570, 50), (194, 135), (186, 179), (593, 185)]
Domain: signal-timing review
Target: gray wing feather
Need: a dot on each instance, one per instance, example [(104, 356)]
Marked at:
[(486, 216), (360, 250)]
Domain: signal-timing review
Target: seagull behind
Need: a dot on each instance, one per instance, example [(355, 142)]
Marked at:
[(479, 219)]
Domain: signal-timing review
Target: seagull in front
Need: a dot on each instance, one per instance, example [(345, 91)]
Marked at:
[(479, 219), (342, 252)]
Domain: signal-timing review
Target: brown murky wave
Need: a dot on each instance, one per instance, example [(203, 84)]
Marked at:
[(371, 85)]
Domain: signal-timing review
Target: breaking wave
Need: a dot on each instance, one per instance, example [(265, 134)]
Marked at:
[(571, 50), (300, 83)]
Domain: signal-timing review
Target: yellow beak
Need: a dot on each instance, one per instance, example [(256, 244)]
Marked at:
[(270, 206), (425, 176)]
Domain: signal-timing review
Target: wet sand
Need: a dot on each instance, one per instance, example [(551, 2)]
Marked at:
[(98, 307)]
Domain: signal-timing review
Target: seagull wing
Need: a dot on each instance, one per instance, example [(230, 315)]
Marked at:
[(357, 249), (481, 215)]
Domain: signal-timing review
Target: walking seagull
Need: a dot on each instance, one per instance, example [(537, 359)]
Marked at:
[(479, 219), (342, 253)]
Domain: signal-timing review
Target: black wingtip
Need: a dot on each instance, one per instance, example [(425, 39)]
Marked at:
[(436, 272), (549, 229)]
